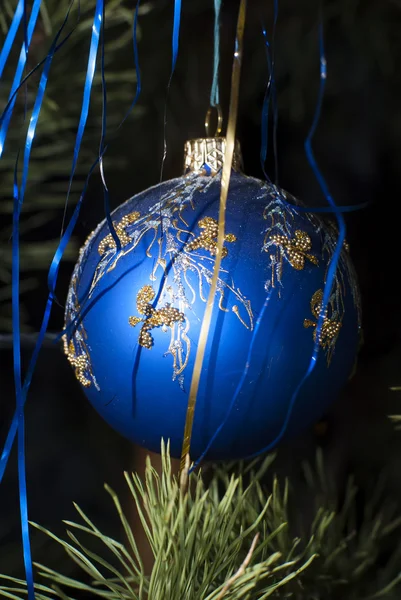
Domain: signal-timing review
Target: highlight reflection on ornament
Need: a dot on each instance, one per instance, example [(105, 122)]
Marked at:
[(158, 283)]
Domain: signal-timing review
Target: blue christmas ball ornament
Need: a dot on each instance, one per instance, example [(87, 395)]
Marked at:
[(134, 313)]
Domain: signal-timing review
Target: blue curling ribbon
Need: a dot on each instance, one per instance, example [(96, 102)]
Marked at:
[(19, 419), (102, 140), (18, 392), (265, 112), (28, 146), (137, 69), (329, 281), (175, 43), (90, 72), (78, 318), (270, 93), (25, 79), (38, 106), (274, 93), (176, 33), (60, 250), (214, 93), (328, 209), (12, 32), (323, 185), (18, 73), (331, 273), (238, 389), (53, 271)]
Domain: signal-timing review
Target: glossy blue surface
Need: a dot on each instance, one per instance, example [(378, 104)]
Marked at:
[(137, 390)]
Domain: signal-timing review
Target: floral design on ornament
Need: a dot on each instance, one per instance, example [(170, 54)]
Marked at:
[(330, 327), (189, 273)]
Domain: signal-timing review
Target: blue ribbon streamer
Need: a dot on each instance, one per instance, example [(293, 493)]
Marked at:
[(175, 44), (60, 250), (25, 29), (18, 73), (328, 209), (106, 197), (19, 421), (28, 146), (214, 93), (331, 273), (238, 389), (90, 72), (176, 33), (270, 93), (78, 318), (103, 146), (32, 71), (137, 69), (53, 271), (265, 111), (274, 93), (18, 392), (38, 106), (12, 32)]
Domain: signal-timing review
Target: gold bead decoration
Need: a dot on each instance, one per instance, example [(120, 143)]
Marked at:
[(79, 362), (330, 327), (108, 241), (207, 239), (296, 250), (166, 316)]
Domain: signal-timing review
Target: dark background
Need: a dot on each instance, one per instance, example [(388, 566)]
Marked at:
[(70, 451)]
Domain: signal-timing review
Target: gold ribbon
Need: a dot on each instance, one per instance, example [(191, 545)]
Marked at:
[(225, 182)]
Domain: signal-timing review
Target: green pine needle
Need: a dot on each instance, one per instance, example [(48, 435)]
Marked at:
[(228, 539)]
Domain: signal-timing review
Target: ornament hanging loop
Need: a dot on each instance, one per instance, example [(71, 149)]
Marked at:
[(219, 121)]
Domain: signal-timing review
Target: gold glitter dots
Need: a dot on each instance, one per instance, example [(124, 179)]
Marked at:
[(296, 250), (330, 327), (79, 362), (108, 241), (164, 317), (207, 240)]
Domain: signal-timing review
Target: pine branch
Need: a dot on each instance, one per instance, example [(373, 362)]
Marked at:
[(204, 546)]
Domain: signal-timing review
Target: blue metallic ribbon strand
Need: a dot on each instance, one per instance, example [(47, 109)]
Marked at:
[(176, 34), (137, 69), (28, 146), (18, 73), (106, 196), (270, 93), (329, 281), (90, 72), (85, 308), (18, 392), (238, 388), (225, 183), (175, 44), (18, 422), (58, 255), (214, 93), (336, 254), (12, 32)]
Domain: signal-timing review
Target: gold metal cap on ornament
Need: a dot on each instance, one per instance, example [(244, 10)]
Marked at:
[(205, 156)]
